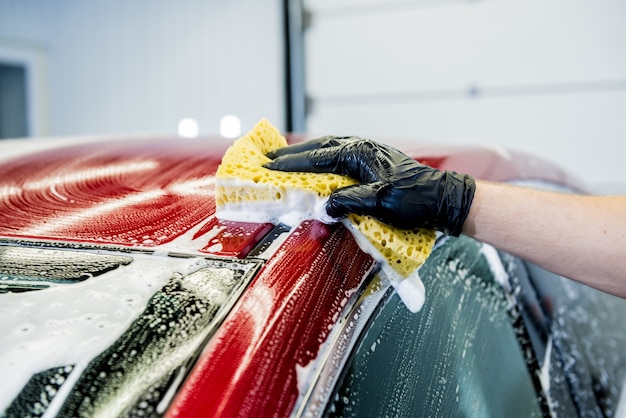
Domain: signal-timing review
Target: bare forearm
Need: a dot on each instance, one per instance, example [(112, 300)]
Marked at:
[(580, 237)]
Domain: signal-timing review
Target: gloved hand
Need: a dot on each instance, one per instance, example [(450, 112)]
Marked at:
[(393, 187)]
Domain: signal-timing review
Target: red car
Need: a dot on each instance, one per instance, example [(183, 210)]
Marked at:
[(121, 294)]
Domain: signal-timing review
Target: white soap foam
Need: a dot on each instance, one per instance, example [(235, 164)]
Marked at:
[(412, 292), (295, 206), (49, 328), (410, 289), (291, 208), (544, 375), (499, 272)]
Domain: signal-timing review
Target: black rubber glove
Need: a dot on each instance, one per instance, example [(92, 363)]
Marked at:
[(393, 187)]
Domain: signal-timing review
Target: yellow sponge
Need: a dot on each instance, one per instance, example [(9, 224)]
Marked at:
[(244, 189)]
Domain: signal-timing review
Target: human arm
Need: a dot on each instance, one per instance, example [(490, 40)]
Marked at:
[(577, 236), (580, 237)]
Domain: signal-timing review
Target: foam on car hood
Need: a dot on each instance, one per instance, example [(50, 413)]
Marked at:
[(247, 191)]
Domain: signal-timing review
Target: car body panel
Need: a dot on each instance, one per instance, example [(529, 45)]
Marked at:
[(146, 194), (143, 211), (269, 343)]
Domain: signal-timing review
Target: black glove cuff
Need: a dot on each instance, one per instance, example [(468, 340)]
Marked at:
[(456, 200)]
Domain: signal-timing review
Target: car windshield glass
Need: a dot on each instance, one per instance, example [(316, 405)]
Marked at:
[(458, 356)]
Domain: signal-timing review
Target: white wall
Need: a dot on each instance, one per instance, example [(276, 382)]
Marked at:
[(121, 66), (541, 76)]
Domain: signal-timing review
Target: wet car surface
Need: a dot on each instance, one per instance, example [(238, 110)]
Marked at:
[(122, 295)]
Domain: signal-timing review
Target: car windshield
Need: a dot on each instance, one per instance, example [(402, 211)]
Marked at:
[(459, 356)]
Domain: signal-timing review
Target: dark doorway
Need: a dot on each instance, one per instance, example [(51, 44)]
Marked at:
[(13, 106)]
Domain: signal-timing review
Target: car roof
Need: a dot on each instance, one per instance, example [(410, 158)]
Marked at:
[(171, 180)]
